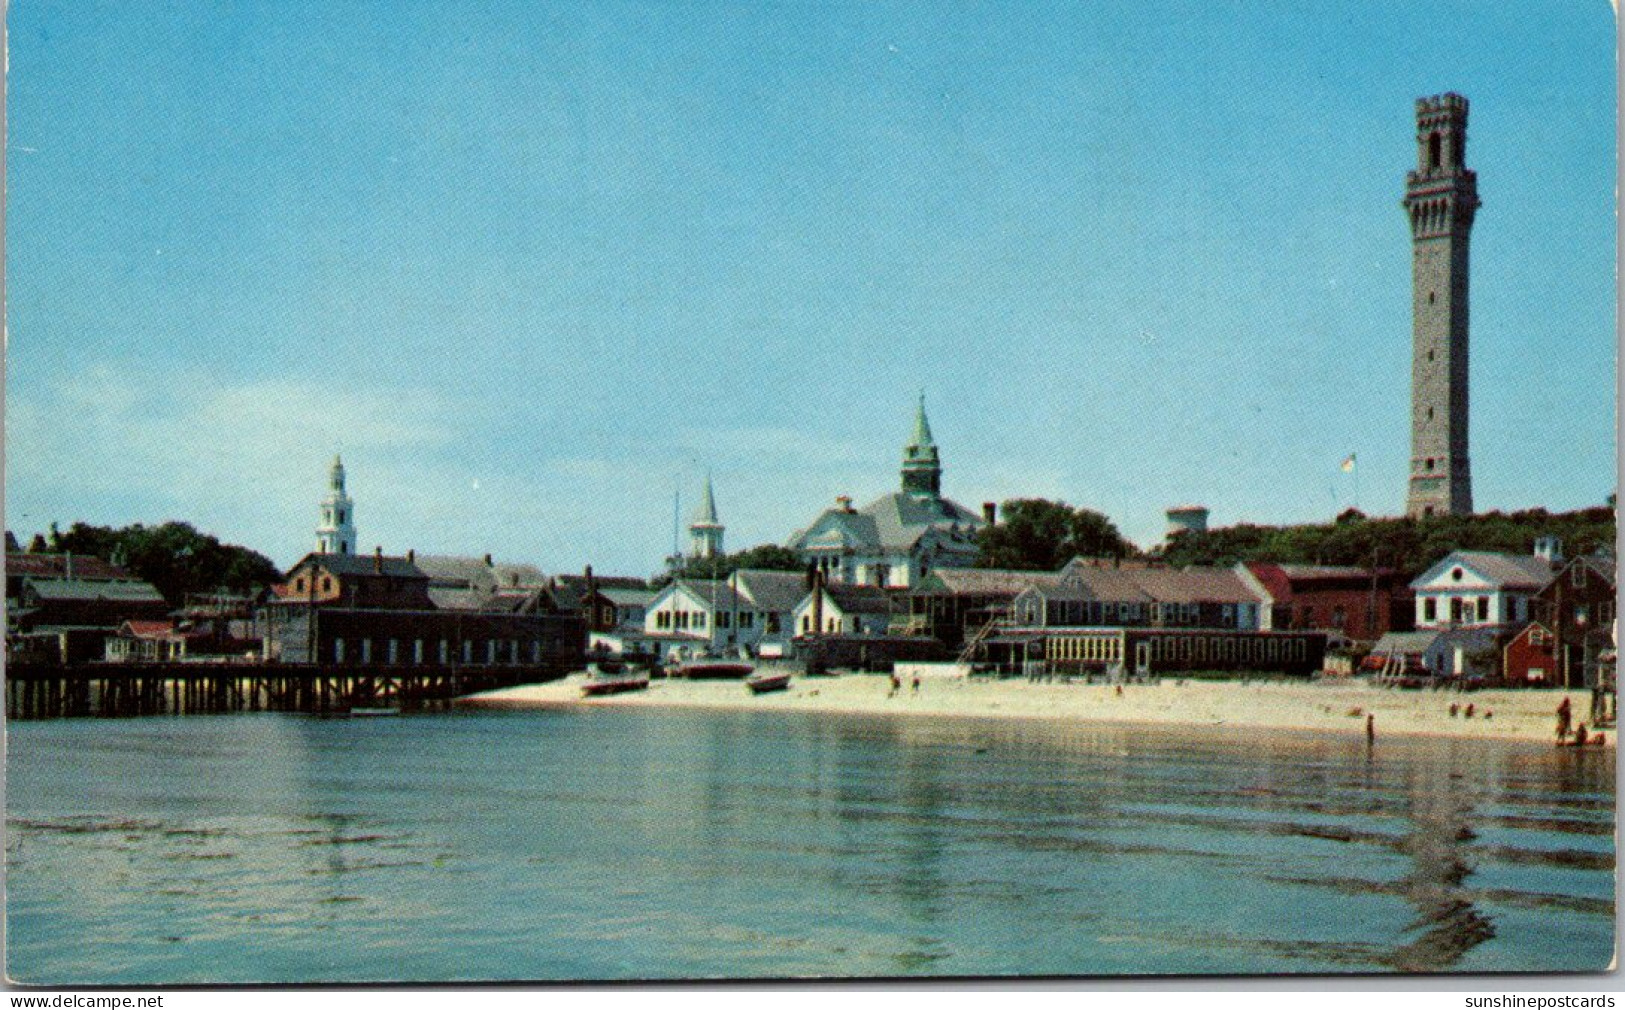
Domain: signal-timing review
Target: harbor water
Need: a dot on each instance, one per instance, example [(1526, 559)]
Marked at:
[(639, 843)]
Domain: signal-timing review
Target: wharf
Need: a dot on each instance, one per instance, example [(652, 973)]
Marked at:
[(41, 691)]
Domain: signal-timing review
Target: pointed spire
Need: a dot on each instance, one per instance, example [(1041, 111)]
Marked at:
[(336, 475), (708, 505), (922, 427)]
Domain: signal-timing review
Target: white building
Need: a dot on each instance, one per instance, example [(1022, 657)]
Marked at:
[(751, 610), (1480, 588), (335, 534), (896, 541)]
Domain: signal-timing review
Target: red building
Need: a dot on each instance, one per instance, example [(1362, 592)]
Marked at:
[(1361, 603), (1530, 659)]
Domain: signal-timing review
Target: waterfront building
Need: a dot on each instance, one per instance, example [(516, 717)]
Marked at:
[(1480, 589), (1441, 199), (341, 610), (1450, 653), (896, 541), (845, 610), (1530, 658), (1578, 608), (1362, 604), (752, 609), (335, 532)]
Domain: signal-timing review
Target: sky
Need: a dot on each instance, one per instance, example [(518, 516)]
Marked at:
[(535, 269)]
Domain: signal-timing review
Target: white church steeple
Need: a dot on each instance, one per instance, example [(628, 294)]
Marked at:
[(705, 532), (336, 533)]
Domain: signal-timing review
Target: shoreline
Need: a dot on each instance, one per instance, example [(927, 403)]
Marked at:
[(1341, 707)]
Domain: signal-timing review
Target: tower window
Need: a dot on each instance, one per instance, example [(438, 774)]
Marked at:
[(1430, 464), (1430, 355), (1431, 296), (1430, 413), (1433, 150)]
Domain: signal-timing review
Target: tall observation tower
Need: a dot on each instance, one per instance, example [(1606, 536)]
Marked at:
[(1441, 197)]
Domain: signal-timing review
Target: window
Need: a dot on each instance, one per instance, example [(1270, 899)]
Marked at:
[(806, 624), (1339, 617), (1455, 610), (327, 584), (394, 651), (772, 624), (338, 650), (417, 652), (747, 619), (1455, 575), (299, 585), (1430, 609), (1484, 608), (1433, 150), (366, 650), (1579, 576)]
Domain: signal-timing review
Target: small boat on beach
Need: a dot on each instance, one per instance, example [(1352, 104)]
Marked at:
[(371, 710), (613, 678), (763, 681)]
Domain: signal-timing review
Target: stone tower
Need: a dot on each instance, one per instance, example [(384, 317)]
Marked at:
[(705, 532), (922, 469), (1441, 197), (336, 533)]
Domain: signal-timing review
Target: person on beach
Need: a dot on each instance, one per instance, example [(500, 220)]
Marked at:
[(896, 685), (1454, 709), (1565, 713), (1580, 735), (1469, 713), (916, 684)]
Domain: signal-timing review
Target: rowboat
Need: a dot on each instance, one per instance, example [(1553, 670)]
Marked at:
[(764, 681), (613, 681)]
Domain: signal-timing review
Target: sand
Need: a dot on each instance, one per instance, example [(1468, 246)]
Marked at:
[(1331, 706)]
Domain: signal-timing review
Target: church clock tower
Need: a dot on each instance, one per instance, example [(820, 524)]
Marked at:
[(1441, 197)]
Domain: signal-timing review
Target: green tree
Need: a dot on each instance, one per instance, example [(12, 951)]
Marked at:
[(1035, 534), (174, 557)]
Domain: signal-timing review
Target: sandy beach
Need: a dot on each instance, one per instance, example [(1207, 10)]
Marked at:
[(1321, 706)]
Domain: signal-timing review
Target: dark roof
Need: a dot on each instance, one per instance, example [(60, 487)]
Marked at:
[(85, 566), (363, 564), (860, 599), (579, 582)]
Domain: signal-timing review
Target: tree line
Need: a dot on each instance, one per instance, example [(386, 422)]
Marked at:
[(174, 557)]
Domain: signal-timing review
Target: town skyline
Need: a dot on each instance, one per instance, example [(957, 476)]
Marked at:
[(535, 287)]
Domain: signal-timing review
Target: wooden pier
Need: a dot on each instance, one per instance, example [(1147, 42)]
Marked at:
[(132, 689)]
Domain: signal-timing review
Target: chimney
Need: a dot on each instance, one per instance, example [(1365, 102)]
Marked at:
[(990, 513), (411, 554), (378, 559), (488, 561), (843, 502)]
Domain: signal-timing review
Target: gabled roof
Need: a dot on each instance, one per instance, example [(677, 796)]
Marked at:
[(774, 591), (579, 582), (891, 524), (76, 589), (984, 582), (1508, 571), (715, 594), (146, 629), (628, 597), (1106, 585), (363, 564), (1194, 585)]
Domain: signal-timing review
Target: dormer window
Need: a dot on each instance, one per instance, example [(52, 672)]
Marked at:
[(1455, 575)]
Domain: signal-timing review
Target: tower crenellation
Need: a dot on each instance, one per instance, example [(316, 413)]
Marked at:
[(1441, 201)]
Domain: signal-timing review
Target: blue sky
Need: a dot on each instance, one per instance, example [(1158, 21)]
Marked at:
[(532, 267)]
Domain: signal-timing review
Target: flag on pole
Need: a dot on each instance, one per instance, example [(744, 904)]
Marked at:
[(1348, 464)]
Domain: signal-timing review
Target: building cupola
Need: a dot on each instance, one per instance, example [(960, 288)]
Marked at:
[(922, 469)]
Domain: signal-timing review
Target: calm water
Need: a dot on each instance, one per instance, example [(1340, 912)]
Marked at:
[(636, 844)]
